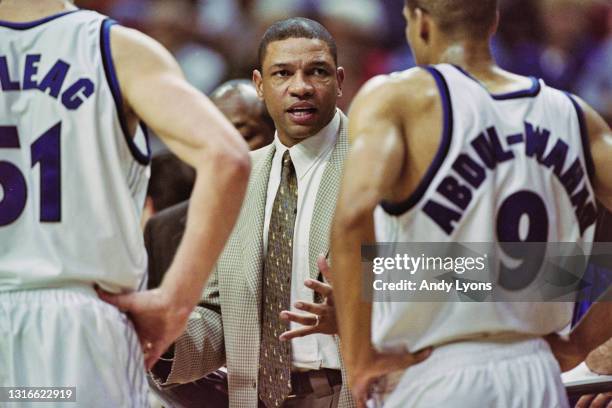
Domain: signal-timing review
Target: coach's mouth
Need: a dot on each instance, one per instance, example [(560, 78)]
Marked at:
[(302, 113)]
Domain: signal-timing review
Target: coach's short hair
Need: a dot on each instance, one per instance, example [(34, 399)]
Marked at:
[(459, 16), (296, 27)]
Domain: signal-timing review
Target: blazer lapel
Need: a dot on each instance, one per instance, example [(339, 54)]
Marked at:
[(327, 196), (252, 222)]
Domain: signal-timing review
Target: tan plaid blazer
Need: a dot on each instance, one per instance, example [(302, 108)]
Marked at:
[(225, 328)]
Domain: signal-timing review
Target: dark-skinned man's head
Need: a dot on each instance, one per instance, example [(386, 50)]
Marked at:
[(298, 77)]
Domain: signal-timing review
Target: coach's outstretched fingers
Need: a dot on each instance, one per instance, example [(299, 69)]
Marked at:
[(322, 316)]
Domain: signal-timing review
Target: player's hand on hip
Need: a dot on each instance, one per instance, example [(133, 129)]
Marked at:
[(599, 360), (361, 379), (320, 317), (567, 353), (157, 322)]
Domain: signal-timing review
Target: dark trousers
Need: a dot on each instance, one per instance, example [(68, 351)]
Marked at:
[(207, 392)]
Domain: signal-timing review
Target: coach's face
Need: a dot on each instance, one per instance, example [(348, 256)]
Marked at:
[(299, 83)]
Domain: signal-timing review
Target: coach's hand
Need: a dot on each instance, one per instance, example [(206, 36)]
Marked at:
[(322, 316), (378, 364), (157, 320)]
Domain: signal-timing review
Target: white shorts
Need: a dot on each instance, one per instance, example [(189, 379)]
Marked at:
[(521, 374), (68, 337)]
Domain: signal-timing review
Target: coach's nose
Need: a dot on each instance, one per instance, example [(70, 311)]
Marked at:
[(300, 85)]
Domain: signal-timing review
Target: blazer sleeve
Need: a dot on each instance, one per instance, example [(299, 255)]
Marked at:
[(201, 348)]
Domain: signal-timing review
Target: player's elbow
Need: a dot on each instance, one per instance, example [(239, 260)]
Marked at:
[(352, 214), (240, 167), (231, 161)]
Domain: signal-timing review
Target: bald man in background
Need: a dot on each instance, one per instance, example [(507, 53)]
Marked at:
[(238, 101)]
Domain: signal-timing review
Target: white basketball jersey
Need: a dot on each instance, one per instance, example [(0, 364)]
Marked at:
[(72, 180), (503, 159)]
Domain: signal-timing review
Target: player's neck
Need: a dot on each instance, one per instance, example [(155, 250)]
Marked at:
[(28, 10), (474, 57)]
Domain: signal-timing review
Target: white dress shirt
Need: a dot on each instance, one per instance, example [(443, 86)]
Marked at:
[(309, 158)]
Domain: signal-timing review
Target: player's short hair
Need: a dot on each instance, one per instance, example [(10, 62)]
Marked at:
[(296, 27), (454, 17)]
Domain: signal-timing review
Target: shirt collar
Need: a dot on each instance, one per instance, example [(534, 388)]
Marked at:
[(306, 153)]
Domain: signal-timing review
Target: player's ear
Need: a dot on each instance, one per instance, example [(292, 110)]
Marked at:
[(495, 25), (423, 23), (257, 80)]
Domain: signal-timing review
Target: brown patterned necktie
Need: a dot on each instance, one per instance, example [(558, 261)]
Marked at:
[(274, 355)]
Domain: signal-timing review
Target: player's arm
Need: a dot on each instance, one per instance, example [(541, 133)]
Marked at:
[(154, 88), (600, 139), (593, 330), (371, 170)]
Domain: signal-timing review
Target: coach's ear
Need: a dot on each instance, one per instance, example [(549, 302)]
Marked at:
[(340, 80), (257, 80)]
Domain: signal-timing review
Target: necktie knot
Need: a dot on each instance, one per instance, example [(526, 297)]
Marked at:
[(288, 170), (286, 159), (288, 184)]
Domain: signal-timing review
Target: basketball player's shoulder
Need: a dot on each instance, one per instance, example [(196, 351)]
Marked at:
[(131, 48), (411, 90)]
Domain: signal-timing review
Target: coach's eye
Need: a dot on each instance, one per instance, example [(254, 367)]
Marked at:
[(320, 72), (281, 73)]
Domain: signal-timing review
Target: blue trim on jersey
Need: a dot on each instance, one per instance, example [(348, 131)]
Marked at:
[(113, 82), (447, 134), (584, 135), (35, 23), (145, 131), (523, 93)]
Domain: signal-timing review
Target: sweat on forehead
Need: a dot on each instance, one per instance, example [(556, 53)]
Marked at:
[(296, 27)]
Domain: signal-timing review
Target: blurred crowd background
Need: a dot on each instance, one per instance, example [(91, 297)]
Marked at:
[(567, 43)]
